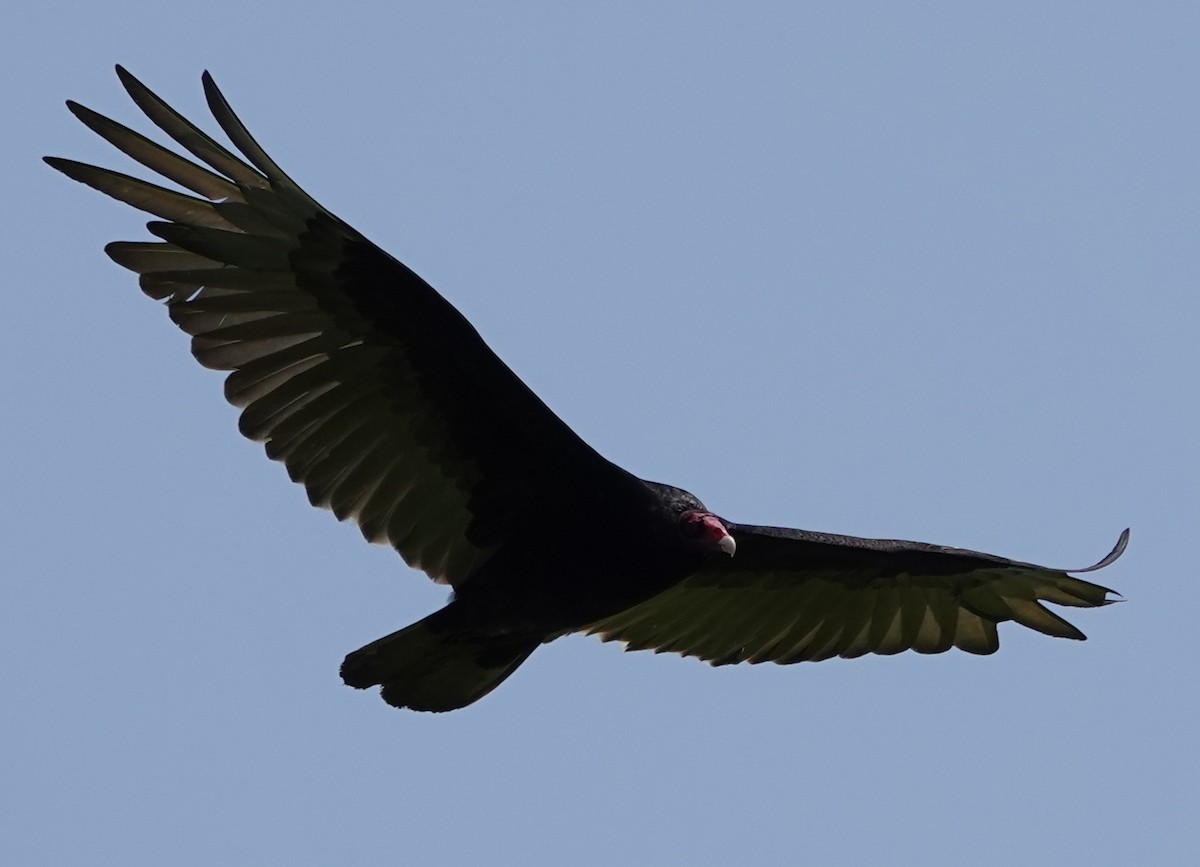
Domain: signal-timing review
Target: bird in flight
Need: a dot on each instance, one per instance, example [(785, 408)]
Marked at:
[(386, 404)]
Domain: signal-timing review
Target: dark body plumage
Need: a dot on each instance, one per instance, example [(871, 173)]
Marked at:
[(386, 404)]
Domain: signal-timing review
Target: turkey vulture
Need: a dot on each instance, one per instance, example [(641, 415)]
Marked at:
[(385, 403)]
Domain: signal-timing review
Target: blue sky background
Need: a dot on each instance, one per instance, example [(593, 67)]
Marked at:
[(926, 272)]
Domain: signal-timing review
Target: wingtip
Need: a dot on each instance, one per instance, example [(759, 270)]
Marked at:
[(212, 94), (81, 111), (73, 169), (1110, 558), (70, 168), (119, 252), (137, 91)]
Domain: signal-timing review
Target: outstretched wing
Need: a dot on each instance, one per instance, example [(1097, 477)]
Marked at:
[(794, 596), (373, 390)]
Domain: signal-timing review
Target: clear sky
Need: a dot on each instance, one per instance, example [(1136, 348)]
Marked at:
[(926, 272)]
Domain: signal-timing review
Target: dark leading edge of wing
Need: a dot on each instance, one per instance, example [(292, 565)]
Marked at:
[(795, 596), (372, 389)]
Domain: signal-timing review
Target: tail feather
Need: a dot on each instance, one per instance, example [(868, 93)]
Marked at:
[(431, 666)]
